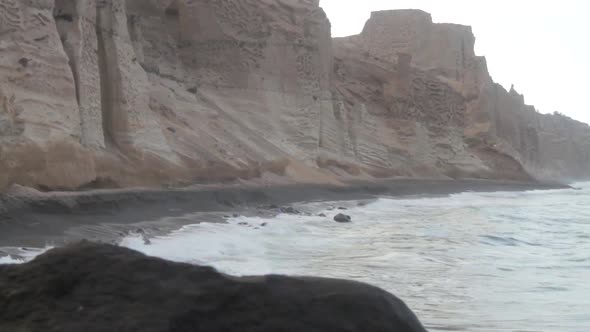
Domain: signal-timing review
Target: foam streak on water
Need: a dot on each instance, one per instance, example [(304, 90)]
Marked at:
[(516, 261)]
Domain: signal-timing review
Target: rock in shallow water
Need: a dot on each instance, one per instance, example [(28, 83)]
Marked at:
[(69, 289), (289, 210), (342, 218)]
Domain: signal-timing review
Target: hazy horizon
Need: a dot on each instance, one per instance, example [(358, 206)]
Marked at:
[(537, 47)]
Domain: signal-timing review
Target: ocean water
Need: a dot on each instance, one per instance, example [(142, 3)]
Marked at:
[(504, 261)]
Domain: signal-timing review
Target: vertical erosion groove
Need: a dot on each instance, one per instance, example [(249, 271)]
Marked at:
[(105, 79), (64, 13)]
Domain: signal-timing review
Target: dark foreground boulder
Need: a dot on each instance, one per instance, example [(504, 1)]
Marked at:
[(90, 287)]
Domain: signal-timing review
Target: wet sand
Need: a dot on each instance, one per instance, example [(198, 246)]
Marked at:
[(107, 215)]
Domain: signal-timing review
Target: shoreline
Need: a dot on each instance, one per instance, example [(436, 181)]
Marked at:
[(108, 215)]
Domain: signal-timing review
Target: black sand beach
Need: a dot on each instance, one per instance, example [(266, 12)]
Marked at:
[(105, 216)]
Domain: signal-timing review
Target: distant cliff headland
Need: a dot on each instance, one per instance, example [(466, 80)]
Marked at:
[(121, 93)]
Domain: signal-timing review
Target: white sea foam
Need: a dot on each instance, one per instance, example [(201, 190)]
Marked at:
[(9, 260), (22, 254)]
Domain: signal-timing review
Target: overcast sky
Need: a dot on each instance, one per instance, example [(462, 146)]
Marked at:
[(542, 47)]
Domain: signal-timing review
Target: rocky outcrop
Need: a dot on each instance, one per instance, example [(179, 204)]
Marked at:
[(432, 79), (68, 289), (112, 93)]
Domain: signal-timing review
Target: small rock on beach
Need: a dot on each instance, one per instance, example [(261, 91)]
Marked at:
[(342, 218)]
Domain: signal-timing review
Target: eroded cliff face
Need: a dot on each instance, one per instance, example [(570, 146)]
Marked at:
[(133, 92), (432, 79), (97, 93), (418, 81)]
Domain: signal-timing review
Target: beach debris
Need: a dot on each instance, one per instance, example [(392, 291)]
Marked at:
[(342, 218), (322, 215), (263, 224), (235, 215), (342, 208)]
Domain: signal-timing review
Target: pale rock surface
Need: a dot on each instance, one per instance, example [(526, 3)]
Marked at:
[(40, 130), (112, 93)]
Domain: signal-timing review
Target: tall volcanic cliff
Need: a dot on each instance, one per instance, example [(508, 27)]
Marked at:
[(97, 93)]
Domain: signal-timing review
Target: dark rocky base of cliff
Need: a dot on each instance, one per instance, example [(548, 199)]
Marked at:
[(91, 287), (106, 216)]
